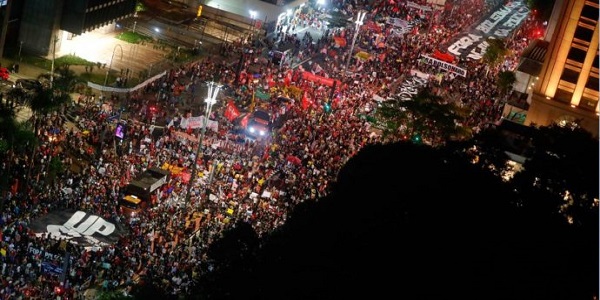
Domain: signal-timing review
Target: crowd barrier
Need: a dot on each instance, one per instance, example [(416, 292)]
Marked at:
[(125, 90)]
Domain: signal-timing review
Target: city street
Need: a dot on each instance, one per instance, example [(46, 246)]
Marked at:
[(215, 169)]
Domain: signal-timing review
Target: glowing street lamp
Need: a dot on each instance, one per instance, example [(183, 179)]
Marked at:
[(213, 91)]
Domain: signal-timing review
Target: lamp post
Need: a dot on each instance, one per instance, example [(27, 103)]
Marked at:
[(359, 21), (20, 47), (253, 17), (54, 40), (213, 91), (111, 61)]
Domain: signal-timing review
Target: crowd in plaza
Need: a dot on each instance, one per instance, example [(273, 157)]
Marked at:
[(255, 181)]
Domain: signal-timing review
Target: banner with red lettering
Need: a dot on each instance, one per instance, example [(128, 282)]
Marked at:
[(319, 79), (231, 111)]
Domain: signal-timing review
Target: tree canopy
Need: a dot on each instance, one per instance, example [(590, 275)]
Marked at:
[(437, 226), (426, 116)]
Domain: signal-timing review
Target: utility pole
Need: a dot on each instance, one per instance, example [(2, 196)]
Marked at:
[(54, 40), (213, 91)]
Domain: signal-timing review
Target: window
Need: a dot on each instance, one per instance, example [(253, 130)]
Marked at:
[(569, 75), (592, 83), (590, 13), (576, 54), (584, 34), (563, 96)]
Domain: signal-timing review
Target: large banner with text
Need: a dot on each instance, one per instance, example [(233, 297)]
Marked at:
[(79, 227), (499, 25)]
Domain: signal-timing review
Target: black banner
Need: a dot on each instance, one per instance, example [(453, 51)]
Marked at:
[(499, 24), (79, 227)]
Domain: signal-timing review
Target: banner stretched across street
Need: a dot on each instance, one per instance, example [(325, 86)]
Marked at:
[(79, 227)]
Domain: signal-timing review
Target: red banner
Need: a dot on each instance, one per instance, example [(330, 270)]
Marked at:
[(449, 58), (231, 111), (319, 79)]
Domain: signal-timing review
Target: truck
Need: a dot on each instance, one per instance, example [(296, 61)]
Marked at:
[(140, 192)]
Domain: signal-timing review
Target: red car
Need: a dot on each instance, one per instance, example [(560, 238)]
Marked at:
[(4, 74)]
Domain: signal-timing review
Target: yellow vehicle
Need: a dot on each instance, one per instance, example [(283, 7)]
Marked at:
[(141, 192), (131, 205)]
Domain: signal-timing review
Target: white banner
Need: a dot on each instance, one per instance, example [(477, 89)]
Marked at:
[(418, 6), (197, 122), (445, 66), (125, 90)]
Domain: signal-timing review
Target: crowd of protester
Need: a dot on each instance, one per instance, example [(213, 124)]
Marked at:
[(256, 181)]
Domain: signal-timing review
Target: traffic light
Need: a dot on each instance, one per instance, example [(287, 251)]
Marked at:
[(416, 138), (199, 13), (327, 107)]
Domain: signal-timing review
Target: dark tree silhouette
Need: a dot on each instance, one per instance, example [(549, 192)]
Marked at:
[(564, 169), (409, 222), (426, 115)]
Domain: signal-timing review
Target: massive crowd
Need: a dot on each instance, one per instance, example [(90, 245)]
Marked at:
[(255, 181)]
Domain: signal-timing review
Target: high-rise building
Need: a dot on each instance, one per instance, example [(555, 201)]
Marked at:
[(45, 23), (567, 87)]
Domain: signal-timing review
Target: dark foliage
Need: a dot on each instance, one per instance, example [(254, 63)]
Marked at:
[(406, 222)]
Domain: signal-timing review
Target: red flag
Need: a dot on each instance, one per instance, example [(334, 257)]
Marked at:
[(231, 111), (306, 103), (244, 121)]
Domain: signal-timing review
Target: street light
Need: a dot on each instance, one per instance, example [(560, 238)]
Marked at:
[(253, 14), (54, 40), (359, 21), (213, 91), (111, 61)]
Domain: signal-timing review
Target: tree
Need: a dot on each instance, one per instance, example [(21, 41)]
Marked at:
[(426, 116), (231, 260), (64, 81), (423, 233), (8, 123), (14, 138), (563, 168), (505, 81), (47, 100), (113, 295), (494, 53), (16, 95)]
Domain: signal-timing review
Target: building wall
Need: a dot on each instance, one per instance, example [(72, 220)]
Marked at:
[(45, 21), (80, 16), (568, 84), (39, 24)]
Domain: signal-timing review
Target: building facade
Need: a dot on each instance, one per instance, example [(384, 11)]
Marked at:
[(44, 24), (567, 87)]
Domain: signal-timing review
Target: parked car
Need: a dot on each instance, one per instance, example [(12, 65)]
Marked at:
[(28, 84), (259, 124), (4, 74)]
